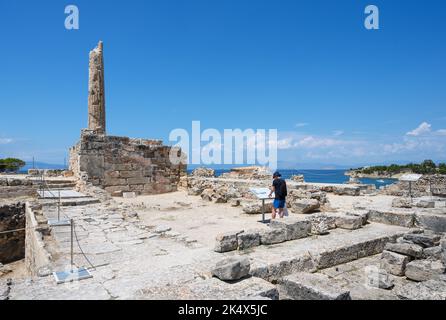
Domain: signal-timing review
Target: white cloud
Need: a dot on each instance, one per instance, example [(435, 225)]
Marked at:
[(5, 140), (422, 129), (338, 133), (301, 124), (442, 132)]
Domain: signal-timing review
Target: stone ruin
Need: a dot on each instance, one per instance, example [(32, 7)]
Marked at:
[(119, 164)]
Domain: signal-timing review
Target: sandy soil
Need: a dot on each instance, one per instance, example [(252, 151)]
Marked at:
[(191, 216)]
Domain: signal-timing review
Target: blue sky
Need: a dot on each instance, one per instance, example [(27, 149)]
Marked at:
[(338, 93)]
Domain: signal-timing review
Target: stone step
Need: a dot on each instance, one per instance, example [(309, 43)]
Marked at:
[(319, 252), (71, 202)]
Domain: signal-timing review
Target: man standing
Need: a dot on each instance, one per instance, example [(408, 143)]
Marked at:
[(280, 192)]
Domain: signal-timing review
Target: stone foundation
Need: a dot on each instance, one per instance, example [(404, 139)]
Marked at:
[(122, 164), (12, 245)]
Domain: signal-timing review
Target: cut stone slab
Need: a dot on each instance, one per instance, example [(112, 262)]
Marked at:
[(295, 228), (248, 239), (427, 290), (423, 270), (226, 242), (408, 249), (273, 236), (403, 218), (364, 214), (394, 263), (214, 289), (426, 240), (305, 206), (311, 286), (349, 222), (232, 268)]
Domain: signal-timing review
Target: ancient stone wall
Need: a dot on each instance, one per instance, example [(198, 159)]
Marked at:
[(12, 245), (121, 164), (13, 188), (37, 259), (426, 186)]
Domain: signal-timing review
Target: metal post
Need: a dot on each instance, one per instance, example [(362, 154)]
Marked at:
[(58, 208), (410, 191), (263, 210), (72, 234)]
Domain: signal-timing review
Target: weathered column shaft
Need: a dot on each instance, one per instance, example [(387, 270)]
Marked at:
[(96, 91)]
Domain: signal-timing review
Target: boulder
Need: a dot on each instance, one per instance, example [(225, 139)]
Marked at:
[(298, 178), (363, 214), (256, 207), (402, 202), (408, 249), (347, 190), (433, 253), (203, 172), (349, 222), (273, 236), (194, 191), (305, 205), (295, 228), (394, 263), (233, 268), (312, 286), (207, 194), (227, 241), (423, 270), (427, 290), (248, 239), (426, 239)]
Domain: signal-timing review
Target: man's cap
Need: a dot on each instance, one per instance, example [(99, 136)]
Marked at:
[(276, 174)]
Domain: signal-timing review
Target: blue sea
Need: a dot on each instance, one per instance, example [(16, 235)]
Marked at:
[(323, 176)]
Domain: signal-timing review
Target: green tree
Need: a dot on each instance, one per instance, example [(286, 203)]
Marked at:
[(442, 168), (11, 165)]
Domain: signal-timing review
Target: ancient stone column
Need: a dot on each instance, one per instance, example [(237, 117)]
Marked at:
[(96, 92)]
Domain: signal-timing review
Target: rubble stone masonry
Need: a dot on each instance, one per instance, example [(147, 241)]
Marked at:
[(122, 164)]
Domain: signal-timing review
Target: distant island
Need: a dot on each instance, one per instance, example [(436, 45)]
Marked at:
[(395, 171)]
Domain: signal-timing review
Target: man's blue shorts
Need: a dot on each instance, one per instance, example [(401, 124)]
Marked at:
[(279, 204)]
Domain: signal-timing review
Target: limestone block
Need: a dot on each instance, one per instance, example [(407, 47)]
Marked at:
[(248, 239), (427, 290), (408, 249), (227, 241), (433, 253), (402, 202), (425, 239), (295, 228), (129, 195), (233, 268), (349, 222), (130, 174), (256, 207), (312, 286), (402, 217), (394, 263), (305, 205), (273, 236), (423, 270)]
